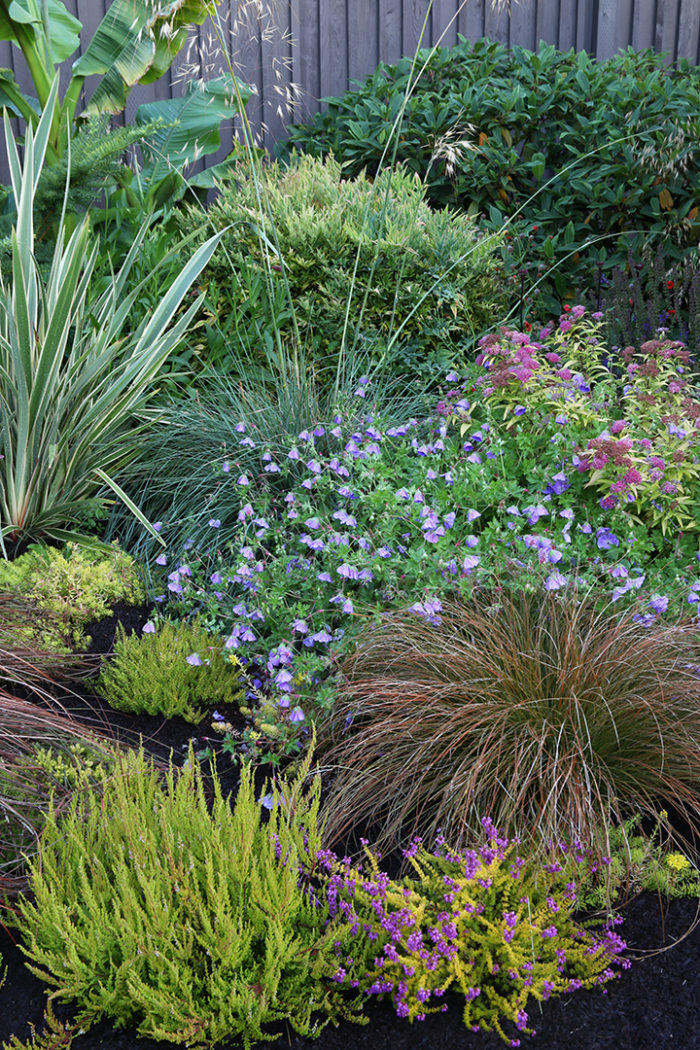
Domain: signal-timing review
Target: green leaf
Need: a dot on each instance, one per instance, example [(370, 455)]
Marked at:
[(190, 125), (136, 44), (64, 28)]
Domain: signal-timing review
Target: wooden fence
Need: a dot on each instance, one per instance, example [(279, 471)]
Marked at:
[(295, 52)]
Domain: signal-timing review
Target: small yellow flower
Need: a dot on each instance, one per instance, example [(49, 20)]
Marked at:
[(677, 861)]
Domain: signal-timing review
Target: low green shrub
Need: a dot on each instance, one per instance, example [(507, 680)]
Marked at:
[(182, 915), (485, 922), (176, 669), (640, 861), (76, 586), (486, 127), (332, 263)]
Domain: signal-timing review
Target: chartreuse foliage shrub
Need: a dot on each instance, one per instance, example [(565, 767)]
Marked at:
[(336, 264), (484, 922), (178, 669), (486, 128), (183, 916), (75, 586)]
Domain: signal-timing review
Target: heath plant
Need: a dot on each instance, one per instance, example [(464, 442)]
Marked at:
[(182, 915), (481, 922), (174, 669)]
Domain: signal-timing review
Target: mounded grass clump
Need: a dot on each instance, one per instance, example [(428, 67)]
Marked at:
[(553, 717), (174, 669)]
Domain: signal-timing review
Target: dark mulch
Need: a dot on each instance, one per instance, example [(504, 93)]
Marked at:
[(654, 1005)]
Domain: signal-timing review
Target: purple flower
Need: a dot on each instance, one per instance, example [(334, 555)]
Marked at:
[(242, 480), (149, 628), (554, 581), (312, 523), (162, 559), (559, 483), (214, 523), (472, 515), (519, 410), (605, 539), (194, 660), (470, 562), (296, 715), (348, 571), (314, 466), (293, 453)]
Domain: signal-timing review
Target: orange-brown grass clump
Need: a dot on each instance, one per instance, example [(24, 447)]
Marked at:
[(551, 717)]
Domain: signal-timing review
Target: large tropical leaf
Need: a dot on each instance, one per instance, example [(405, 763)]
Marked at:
[(64, 36), (136, 43), (191, 125)]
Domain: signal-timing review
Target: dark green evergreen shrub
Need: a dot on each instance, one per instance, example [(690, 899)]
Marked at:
[(160, 908), (178, 669), (331, 263), (486, 128)]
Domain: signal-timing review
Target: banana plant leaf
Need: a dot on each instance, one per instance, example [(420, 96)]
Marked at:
[(136, 43), (64, 37), (191, 125)]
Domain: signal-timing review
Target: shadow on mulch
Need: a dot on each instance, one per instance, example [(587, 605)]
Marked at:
[(653, 1006)]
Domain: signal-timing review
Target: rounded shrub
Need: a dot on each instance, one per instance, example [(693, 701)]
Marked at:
[(176, 669), (334, 264), (557, 719), (74, 587), (570, 149)]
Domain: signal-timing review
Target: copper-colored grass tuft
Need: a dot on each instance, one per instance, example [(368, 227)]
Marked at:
[(553, 719)]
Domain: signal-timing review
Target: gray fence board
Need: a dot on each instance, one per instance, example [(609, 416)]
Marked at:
[(444, 28), (297, 51), (363, 38), (471, 19), (523, 24)]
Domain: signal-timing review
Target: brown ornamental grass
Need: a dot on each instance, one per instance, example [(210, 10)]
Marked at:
[(551, 717)]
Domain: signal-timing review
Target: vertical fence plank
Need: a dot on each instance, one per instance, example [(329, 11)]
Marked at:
[(305, 50), (276, 62), (585, 35), (606, 30), (643, 25), (567, 24), (363, 38), (688, 30), (548, 21), (666, 26), (389, 30), (333, 47), (417, 19), (444, 23), (471, 19), (497, 22), (523, 24)]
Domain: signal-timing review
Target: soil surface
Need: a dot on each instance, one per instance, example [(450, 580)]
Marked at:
[(654, 1005)]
